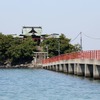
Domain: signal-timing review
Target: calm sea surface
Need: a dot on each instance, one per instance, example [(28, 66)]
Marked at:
[(37, 84)]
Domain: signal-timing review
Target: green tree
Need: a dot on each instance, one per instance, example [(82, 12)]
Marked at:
[(5, 43), (22, 51), (16, 50), (62, 43)]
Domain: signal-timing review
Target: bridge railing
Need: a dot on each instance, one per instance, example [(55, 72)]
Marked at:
[(92, 54)]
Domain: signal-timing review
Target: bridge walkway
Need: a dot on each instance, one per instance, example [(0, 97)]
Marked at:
[(84, 63)]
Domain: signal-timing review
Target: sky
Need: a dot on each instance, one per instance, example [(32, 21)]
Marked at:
[(69, 17)]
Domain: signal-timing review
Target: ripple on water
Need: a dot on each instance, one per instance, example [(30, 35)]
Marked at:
[(37, 84)]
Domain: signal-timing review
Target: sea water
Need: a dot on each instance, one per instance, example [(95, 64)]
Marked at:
[(39, 84)]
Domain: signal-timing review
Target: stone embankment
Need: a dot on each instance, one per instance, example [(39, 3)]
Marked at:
[(28, 65)]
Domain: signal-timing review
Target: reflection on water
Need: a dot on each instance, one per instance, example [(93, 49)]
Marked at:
[(37, 84)]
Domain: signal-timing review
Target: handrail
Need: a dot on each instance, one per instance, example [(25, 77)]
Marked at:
[(92, 54)]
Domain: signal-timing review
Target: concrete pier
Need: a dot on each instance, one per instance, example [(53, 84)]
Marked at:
[(80, 69), (61, 68), (71, 68), (75, 69), (88, 70), (96, 71), (58, 67), (65, 70)]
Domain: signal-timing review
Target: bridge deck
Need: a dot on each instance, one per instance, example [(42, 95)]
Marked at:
[(85, 63)]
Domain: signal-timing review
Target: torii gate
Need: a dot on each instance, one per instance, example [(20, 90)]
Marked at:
[(38, 58)]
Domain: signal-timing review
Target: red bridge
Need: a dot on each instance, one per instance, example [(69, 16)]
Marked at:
[(85, 63), (93, 54)]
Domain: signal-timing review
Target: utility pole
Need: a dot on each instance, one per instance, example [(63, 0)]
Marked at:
[(81, 40), (47, 50), (56, 36), (58, 46)]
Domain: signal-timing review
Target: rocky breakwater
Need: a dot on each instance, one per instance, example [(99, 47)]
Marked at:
[(26, 65)]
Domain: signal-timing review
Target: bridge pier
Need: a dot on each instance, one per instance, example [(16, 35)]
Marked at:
[(57, 67), (50, 67), (71, 68), (96, 71), (80, 69), (65, 68), (53, 67), (46, 67), (75, 69), (60, 67), (88, 70)]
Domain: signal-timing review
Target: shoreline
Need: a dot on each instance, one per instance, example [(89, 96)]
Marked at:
[(20, 66)]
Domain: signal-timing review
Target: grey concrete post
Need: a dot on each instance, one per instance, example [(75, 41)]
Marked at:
[(54, 67), (88, 70), (65, 68), (96, 71), (81, 69), (60, 68), (70, 68), (75, 68), (57, 67), (50, 67)]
